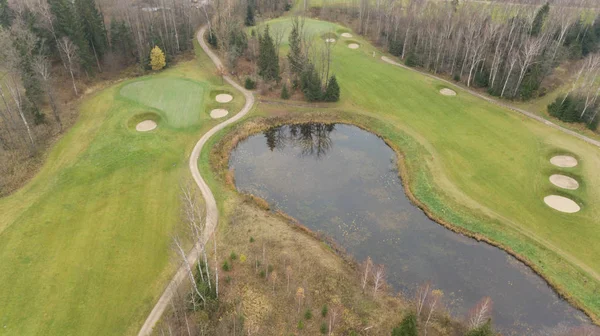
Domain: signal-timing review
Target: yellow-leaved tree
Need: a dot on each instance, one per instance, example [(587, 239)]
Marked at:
[(157, 59)]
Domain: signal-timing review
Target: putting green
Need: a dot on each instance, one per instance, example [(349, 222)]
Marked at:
[(477, 165), (179, 100)]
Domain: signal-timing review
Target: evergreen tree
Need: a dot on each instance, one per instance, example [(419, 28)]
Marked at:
[(408, 327), (121, 38), (92, 23), (157, 59), (538, 21), (6, 14), (212, 39), (249, 15), (68, 24), (295, 57), (484, 330), (268, 62), (332, 92), (311, 84), (284, 92)]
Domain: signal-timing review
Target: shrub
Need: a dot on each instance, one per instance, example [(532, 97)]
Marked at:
[(411, 60), (324, 310), (284, 92), (408, 327), (252, 239), (250, 84), (212, 39), (270, 268), (308, 314), (456, 77), (226, 267), (227, 279), (300, 325), (593, 125), (323, 328), (287, 6), (484, 330), (262, 274), (243, 258)]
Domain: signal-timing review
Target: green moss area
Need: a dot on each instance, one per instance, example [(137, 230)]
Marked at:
[(85, 246)]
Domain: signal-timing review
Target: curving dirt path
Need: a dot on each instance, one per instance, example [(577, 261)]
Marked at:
[(212, 213)]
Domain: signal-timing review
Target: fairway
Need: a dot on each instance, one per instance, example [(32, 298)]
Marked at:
[(179, 100), (85, 245), (478, 166)]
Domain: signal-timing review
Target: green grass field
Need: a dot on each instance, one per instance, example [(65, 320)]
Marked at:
[(85, 245), (479, 166)]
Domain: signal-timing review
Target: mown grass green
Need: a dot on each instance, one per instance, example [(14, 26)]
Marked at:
[(478, 166), (85, 246)]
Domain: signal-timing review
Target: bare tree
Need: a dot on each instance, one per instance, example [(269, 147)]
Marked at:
[(69, 51), (41, 65), (378, 278), (366, 269), (480, 314)]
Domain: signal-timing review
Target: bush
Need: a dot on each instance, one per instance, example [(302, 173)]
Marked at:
[(408, 327), (233, 256), (456, 77), (226, 267), (212, 39), (227, 279), (284, 92), (287, 6), (324, 310), (308, 314), (250, 84), (300, 325), (484, 330), (411, 60), (593, 125), (323, 328), (270, 268), (252, 239), (262, 274), (566, 108)]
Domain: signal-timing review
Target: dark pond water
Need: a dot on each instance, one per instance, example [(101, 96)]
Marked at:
[(342, 181)]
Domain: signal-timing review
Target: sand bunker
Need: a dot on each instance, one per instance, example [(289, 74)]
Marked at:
[(447, 92), (218, 113), (146, 125), (330, 40), (353, 46), (561, 204), (224, 98), (346, 35), (565, 182), (564, 161)]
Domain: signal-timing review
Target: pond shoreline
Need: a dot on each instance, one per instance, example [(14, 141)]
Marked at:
[(220, 163)]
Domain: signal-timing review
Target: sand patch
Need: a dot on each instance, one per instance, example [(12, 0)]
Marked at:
[(330, 40), (564, 161), (353, 46), (218, 113), (448, 92), (346, 35), (565, 182), (561, 204), (223, 98), (146, 125)]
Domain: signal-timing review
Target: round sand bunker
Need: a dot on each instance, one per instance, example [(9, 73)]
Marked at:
[(224, 98), (218, 113), (347, 35), (146, 125), (564, 161), (565, 182), (353, 46), (448, 92), (330, 40), (561, 204)]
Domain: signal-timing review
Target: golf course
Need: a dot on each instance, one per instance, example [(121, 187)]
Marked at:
[(85, 246)]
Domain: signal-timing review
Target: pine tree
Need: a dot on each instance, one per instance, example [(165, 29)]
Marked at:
[(68, 24), (284, 92), (212, 39), (332, 92), (295, 57), (157, 59), (249, 15), (408, 327), (6, 14), (538, 21), (92, 23), (311, 84), (268, 62), (121, 38)]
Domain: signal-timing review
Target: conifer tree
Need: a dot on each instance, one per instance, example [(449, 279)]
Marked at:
[(332, 92), (92, 23), (249, 15), (284, 92), (408, 327), (68, 24), (310, 83), (268, 62), (6, 14), (295, 57), (157, 59), (538, 21)]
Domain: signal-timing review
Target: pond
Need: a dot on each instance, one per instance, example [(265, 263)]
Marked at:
[(343, 181)]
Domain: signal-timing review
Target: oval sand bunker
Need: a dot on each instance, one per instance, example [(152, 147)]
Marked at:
[(346, 35), (564, 161), (224, 98), (218, 113), (565, 182), (353, 46), (561, 204), (146, 125), (447, 92)]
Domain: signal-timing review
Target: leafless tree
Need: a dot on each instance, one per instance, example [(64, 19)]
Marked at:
[(42, 67), (366, 270), (69, 51), (480, 314), (378, 278)]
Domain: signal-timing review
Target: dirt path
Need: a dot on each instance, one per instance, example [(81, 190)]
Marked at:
[(494, 101), (212, 213)]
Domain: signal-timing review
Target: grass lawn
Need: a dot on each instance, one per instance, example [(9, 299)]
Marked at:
[(479, 166), (85, 245)]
